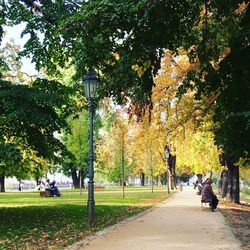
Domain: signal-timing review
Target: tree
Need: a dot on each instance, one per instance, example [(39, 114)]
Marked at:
[(224, 68), (31, 112), (112, 151), (146, 149), (32, 125), (185, 122), (12, 154), (75, 164), (125, 41)]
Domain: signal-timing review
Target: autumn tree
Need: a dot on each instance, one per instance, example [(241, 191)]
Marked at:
[(185, 122), (146, 149), (112, 150)]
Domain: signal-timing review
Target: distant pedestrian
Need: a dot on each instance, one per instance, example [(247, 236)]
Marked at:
[(20, 186)]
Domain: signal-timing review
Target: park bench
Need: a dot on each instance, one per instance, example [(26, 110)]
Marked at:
[(45, 193), (99, 187)]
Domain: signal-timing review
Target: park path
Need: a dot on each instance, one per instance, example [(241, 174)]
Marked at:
[(176, 223)]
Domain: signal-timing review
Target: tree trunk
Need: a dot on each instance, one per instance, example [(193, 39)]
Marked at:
[(230, 181), (75, 179), (235, 185), (81, 180), (123, 163), (169, 181), (171, 172), (38, 181), (142, 178), (164, 178), (230, 186), (2, 183), (223, 184)]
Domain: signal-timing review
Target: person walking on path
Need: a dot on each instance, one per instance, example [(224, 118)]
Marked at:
[(178, 223)]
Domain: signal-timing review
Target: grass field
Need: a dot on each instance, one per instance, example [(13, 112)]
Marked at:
[(28, 221)]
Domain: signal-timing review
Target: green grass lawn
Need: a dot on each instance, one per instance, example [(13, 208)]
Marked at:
[(28, 221), (245, 194)]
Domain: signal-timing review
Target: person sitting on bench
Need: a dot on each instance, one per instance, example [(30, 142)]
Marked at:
[(208, 195), (52, 188)]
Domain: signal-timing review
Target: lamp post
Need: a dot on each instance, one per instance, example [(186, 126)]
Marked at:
[(90, 85)]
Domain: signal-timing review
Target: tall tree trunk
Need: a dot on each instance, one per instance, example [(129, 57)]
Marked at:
[(2, 183), (171, 172), (123, 164), (80, 180), (152, 177), (170, 181), (230, 181), (236, 185), (75, 178), (37, 179), (123, 175), (83, 176), (142, 178), (233, 183), (223, 184)]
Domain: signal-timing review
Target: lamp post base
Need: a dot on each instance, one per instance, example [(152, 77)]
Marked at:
[(91, 213)]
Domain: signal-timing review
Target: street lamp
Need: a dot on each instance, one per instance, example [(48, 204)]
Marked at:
[(90, 85)]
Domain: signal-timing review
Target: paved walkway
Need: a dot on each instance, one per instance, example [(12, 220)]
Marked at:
[(177, 223)]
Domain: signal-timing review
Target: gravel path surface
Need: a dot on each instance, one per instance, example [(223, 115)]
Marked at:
[(178, 223)]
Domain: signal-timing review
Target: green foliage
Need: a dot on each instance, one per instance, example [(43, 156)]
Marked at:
[(114, 173), (9, 156), (112, 150), (77, 144), (92, 33), (124, 40), (223, 53), (28, 122), (32, 112), (233, 105), (76, 141), (28, 115)]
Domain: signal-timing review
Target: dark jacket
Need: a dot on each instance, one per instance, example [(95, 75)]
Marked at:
[(207, 193)]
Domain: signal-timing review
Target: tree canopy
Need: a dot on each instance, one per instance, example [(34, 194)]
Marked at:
[(125, 42), (32, 112)]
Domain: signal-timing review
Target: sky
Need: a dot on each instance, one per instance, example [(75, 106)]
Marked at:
[(15, 33)]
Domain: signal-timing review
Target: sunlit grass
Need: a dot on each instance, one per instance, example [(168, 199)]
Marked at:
[(27, 220)]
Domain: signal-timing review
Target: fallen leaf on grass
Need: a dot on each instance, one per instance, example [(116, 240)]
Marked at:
[(51, 247)]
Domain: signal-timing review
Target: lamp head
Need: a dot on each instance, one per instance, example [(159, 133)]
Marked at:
[(91, 82)]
